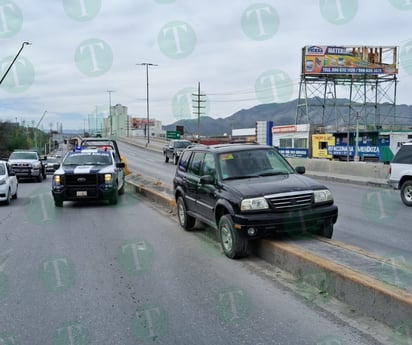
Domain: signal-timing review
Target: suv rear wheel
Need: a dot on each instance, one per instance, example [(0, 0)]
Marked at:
[(234, 245), (186, 222), (406, 193)]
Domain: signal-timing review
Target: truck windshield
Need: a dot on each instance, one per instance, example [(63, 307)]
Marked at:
[(24, 155)]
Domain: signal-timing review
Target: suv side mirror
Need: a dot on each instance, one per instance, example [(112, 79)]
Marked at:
[(300, 170), (207, 179)]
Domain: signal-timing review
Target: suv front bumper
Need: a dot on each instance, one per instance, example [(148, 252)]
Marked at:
[(270, 223)]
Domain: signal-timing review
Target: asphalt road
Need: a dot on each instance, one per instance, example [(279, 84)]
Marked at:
[(372, 218), (128, 274)]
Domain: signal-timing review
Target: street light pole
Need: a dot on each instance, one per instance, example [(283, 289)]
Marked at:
[(14, 60), (110, 111), (147, 98)]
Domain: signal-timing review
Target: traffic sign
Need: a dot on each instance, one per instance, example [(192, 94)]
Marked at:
[(172, 135)]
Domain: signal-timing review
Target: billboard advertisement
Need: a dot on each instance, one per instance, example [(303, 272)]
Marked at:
[(349, 60)]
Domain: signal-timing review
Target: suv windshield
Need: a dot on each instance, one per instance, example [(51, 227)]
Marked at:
[(23, 155), (88, 159), (253, 163)]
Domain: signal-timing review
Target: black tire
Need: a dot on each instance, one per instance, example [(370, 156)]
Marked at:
[(326, 230), (175, 159), (8, 197), (40, 178), (406, 193), (14, 196), (166, 158), (186, 222), (114, 198), (234, 245), (121, 190), (58, 203)]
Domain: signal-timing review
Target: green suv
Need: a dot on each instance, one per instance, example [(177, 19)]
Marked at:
[(249, 191)]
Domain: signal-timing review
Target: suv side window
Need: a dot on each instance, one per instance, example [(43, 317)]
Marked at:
[(404, 155), (184, 161), (208, 167), (196, 163)]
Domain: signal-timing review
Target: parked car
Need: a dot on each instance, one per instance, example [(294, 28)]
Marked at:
[(249, 191), (174, 149), (8, 183), (400, 173)]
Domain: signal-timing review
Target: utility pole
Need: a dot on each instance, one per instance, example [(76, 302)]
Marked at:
[(14, 60), (110, 111), (147, 64), (199, 107), (357, 138)]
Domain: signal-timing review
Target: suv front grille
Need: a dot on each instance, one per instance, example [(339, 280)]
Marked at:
[(291, 201)]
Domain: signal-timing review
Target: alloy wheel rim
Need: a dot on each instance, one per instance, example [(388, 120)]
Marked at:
[(181, 214), (408, 194), (227, 239)]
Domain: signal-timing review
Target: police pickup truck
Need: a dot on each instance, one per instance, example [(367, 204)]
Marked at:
[(93, 171)]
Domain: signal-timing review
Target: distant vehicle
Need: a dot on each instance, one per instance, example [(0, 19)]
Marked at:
[(8, 183), (174, 149), (89, 173), (28, 164), (249, 191), (400, 173), (51, 163)]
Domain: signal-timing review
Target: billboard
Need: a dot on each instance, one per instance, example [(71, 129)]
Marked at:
[(349, 60)]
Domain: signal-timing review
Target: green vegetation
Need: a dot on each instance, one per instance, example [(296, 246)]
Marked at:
[(13, 136)]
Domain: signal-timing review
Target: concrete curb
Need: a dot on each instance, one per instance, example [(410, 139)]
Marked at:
[(385, 303)]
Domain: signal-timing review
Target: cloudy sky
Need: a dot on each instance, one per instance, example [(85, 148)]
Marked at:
[(81, 49)]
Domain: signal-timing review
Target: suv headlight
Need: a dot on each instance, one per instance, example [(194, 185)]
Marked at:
[(57, 180), (108, 178), (2, 181), (36, 165), (323, 195), (254, 204)]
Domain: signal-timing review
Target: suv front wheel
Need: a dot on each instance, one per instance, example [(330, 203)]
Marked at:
[(186, 222), (406, 193), (234, 245)]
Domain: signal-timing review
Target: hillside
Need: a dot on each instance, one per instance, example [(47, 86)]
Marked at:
[(285, 114)]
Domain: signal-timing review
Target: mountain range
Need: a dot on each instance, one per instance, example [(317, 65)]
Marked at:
[(336, 114)]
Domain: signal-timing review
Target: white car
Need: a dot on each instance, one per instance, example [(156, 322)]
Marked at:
[(8, 183)]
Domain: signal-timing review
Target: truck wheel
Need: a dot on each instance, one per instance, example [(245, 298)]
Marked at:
[(58, 203), (121, 190), (406, 193), (233, 244), (175, 159), (166, 158), (40, 178), (186, 222), (326, 230), (114, 197), (8, 197)]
